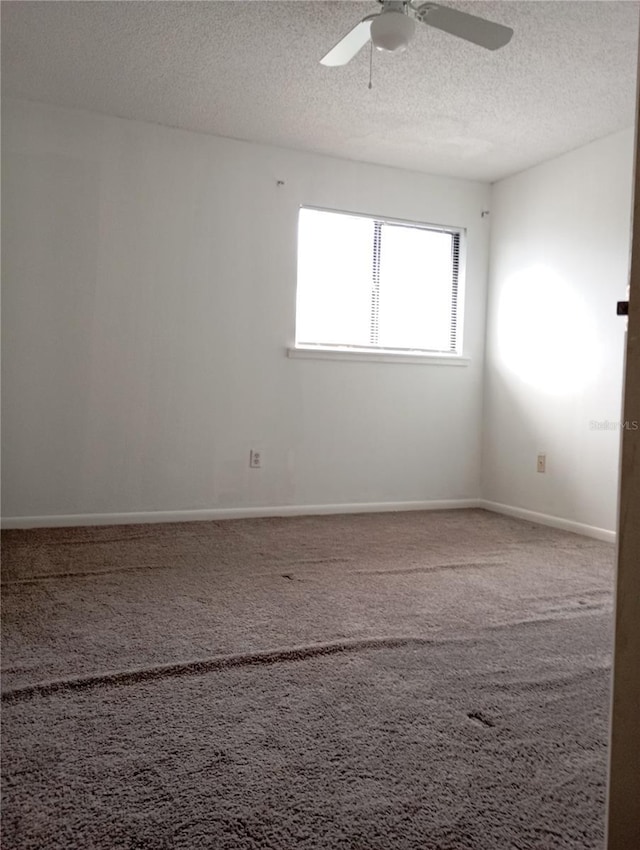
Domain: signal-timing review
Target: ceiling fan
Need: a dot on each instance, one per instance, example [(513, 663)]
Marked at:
[(392, 28)]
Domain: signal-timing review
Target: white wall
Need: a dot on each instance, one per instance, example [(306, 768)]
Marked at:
[(149, 297), (560, 237)]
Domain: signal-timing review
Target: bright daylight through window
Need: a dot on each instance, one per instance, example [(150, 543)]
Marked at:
[(375, 284)]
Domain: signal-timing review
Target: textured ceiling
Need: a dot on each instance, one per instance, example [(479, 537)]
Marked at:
[(249, 69)]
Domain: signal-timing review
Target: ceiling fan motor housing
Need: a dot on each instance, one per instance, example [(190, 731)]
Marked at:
[(392, 29)]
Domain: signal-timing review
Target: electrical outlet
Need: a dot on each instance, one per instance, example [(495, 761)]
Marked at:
[(255, 459), (542, 463)]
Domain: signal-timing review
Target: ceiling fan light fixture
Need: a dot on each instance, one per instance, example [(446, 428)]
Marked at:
[(392, 31)]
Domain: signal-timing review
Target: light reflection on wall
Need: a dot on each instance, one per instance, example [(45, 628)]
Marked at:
[(545, 335)]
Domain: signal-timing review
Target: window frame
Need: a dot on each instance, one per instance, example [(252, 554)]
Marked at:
[(379, 353)]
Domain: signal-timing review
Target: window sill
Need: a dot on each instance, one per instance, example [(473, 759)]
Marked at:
[(382, 356)]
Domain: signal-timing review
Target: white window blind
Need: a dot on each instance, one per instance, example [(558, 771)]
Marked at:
[(376, 284)]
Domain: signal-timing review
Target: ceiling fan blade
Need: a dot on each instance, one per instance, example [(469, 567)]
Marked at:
[(471, 28), (352, 43)]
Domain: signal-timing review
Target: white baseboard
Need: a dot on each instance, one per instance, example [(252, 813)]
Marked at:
[(66, 520), (548, 519), (71, 520)]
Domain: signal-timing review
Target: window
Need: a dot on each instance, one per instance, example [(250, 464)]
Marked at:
[(374, 284)]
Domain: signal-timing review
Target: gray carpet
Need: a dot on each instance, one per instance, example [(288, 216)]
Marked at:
[(422, 680)]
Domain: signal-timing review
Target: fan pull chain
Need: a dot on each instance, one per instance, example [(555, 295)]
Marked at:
[(370, 65)]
